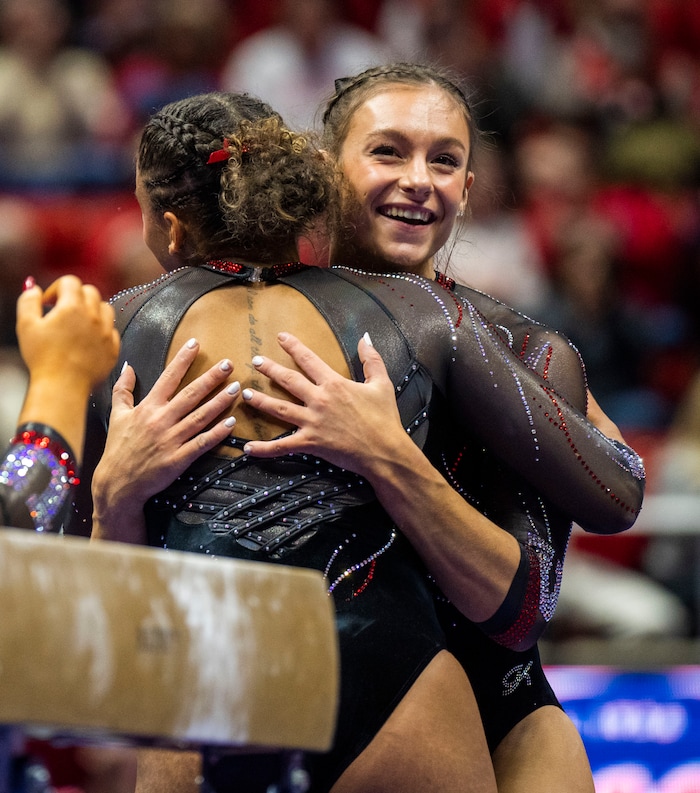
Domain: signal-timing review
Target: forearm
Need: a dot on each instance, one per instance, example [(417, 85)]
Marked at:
[(471, 559), (60, 403)]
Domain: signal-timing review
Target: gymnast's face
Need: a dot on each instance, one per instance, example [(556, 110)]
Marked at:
[(404, 162)]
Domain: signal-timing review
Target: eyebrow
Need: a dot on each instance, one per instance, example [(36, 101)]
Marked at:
[(392, 132)]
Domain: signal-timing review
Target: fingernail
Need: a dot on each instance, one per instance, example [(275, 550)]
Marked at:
[(226, 365), (257, 360), (234, 388), (191, 344), (368, 340), (29, 283), (247, 393), (282, 336), (230, 421), (126, 363), (247, 448)]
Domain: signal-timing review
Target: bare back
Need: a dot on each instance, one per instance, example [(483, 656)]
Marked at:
[(243, 322)]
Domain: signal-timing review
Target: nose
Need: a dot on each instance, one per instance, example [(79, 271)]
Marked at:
[(416, 178)]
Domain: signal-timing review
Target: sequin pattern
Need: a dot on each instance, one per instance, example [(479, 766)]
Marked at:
[(28, 451), (280, 513)]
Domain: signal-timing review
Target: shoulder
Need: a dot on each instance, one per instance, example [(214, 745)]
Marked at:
[(542, 348), (520, 328)]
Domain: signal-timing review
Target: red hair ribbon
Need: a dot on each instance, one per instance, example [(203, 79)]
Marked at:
[(221, 154)]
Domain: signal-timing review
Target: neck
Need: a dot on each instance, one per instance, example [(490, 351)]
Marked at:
[(369, 261), (254, 273)]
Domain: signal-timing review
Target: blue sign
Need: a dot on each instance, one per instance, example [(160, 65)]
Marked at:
[(641, 729)]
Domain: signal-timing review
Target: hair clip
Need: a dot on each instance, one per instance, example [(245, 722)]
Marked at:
[(220, 154), (341, 83)]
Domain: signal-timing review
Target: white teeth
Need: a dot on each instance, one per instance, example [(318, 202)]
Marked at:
[(421, 215)]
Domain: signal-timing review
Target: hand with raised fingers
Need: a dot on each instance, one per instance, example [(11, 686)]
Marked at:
[(151, 444), (66, 334), (337, 418), (69, 343)]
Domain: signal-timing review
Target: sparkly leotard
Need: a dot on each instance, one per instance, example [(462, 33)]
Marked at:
[(451, 368), (509, 684), (37, 473)]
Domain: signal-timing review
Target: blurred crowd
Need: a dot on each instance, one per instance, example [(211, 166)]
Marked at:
[(586, 208)]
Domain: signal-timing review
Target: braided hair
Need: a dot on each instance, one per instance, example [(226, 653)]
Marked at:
[(241, 182)]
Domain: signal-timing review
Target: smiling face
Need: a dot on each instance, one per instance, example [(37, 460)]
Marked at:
[(404, 162)]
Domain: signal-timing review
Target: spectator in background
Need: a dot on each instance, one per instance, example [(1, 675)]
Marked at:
[(292, 64), (20, 243), (673, 560), (495, 251), (62, 122), (449, 32), (181, 56), (588, 259), (116, 28)]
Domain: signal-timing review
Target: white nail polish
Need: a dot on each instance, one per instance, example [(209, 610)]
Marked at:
[(247, 393), (126, 363), (226, 365), (234, 388), (257, 360), (230, 421), (368, 340), (192, 343)]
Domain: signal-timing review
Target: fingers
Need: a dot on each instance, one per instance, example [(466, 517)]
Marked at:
[(281, 409), (203, 415), (277, 447), (305, 358), (204, 385), (66, 290), (123, 391), (373, 365), (29, 304), (170, 378), (294, 383), (209, 439)]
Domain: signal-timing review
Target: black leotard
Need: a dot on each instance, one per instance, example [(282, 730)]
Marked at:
[(452, 368)]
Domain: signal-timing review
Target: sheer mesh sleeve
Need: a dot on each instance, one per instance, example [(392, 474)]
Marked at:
[(529, 413), (541, 529), (598, 481), (520, 388)]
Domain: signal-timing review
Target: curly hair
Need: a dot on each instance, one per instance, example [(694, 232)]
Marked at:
[(265, 187)]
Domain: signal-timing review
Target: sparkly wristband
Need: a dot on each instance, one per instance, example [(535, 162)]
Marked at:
[(40, 468), (41, 436)]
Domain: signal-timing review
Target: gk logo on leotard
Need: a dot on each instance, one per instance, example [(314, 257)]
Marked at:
[(515, 677)]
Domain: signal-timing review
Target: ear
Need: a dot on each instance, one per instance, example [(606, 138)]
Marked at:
[(176, 232), (467, 187)]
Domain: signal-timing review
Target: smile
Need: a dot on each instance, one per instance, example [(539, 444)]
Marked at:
[(415, 216)]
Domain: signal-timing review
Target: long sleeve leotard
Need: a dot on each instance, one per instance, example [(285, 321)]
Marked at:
[(456, 377), (514, 441)]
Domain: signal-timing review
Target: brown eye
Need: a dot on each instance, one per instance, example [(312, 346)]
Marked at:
[(447, 159), (384, 151)]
